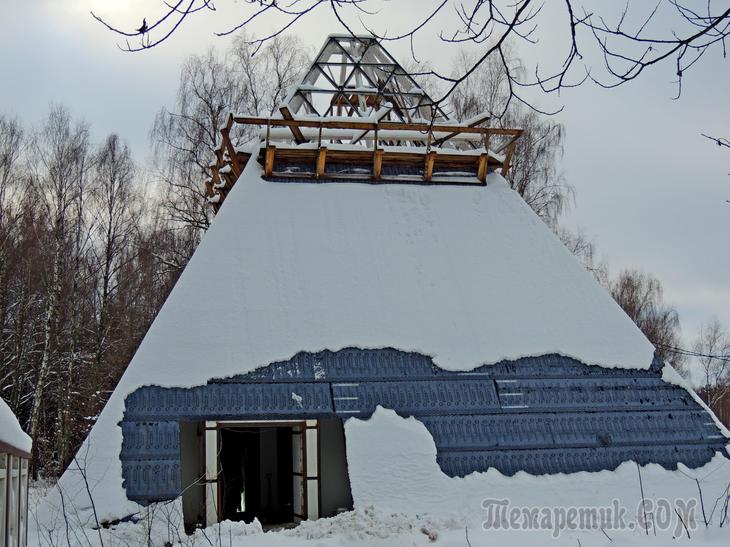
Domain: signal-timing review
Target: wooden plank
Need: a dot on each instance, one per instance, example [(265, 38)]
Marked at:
[(428, 165), (299, 138), (377, 163), (508, 158), (482, 168), (368, 179), (371, 126), (233, 155), (321, 159), (269, 162)]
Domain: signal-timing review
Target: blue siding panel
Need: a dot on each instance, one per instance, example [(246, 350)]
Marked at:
[(227, 401), (545, 414), (542, 461), (415, 397), (146, 481)]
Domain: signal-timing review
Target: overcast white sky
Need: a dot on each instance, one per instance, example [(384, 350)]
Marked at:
[(650, 190)]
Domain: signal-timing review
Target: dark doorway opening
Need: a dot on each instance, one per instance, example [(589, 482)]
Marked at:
[(256, 474)]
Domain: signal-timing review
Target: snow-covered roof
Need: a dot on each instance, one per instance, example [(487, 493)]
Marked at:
[(11, 433), (467, 275)]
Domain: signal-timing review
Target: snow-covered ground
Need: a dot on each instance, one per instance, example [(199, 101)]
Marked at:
[(369, 527), (419, 505)]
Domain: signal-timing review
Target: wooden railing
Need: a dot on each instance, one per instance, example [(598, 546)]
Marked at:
[(376, 145)]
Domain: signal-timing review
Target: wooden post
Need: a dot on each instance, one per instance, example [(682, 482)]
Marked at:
[(226, 132), (269, 160), (215, 177), (321, 158), (482, 169), (377, 163), (508, 158), (428, 166)]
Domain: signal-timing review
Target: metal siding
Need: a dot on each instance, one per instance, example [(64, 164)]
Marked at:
[(546, 414)]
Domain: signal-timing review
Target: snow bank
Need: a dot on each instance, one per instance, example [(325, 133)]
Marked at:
[(467, 275), (403, 446), (10, 431), (415, 484)]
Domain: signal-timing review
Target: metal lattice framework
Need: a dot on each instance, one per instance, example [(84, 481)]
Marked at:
[(354, 76)]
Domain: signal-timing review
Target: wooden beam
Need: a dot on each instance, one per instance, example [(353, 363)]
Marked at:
[(370, 126), (229, 122), (299, 138), (269, 161), (510, 141), (508, 158), (235, 164), (377, 163), (476, 122), (482, 168), (230, 179), (321, 159), (219, 157), (382, 113), (428, 165)]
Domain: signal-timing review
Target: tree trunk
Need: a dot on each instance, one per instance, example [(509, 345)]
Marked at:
[(48, 338)]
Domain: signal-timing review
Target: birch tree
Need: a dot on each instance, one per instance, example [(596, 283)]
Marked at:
[(59, 153), (212, 85), (534, 171), (11, 140), (116, 206), (713, 348), (642, 298)]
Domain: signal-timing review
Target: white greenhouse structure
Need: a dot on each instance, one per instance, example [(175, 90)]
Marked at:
[(15, 448)]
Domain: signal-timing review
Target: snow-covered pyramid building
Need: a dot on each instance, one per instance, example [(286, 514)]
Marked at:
[(368, 253)]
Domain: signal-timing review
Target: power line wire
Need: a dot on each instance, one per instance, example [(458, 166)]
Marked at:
[(691, 353)]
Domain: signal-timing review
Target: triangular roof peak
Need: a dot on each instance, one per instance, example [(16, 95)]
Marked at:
[(356, 76)]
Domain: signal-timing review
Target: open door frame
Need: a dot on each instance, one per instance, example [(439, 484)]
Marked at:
[(305, 464)]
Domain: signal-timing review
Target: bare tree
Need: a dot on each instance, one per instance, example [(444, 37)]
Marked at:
[(70, 359), (11, 142), (635, 38), (712, 347), (60, 149), (534, 170), (212, 85), (116, 209), (84, 269), (585, 251), (641, 297)]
